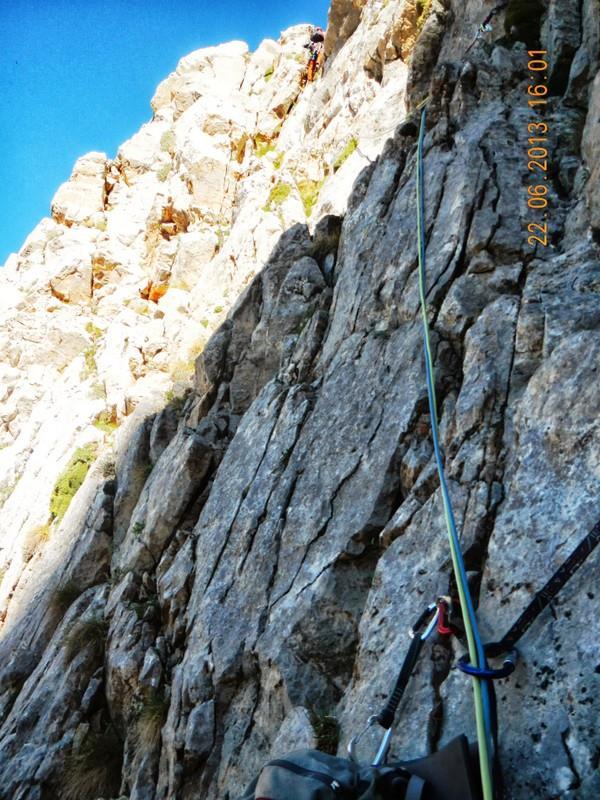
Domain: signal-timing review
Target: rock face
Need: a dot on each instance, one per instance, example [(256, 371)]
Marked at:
[(223, 324)]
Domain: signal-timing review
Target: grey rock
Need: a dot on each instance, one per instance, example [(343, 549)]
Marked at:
[(275, 537)]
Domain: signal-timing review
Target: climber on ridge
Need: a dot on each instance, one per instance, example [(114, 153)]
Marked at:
[(316, 46)]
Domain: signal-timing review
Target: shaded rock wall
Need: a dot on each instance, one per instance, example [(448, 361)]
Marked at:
[(274, 533)]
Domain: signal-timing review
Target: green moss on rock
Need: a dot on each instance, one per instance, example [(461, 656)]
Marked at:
[(309, 194), (279, 193), (106, 422), (345, 154), (423, 7), (70, 480), (263, 145)]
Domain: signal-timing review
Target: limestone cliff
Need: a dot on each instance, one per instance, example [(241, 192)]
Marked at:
[(220, 512)]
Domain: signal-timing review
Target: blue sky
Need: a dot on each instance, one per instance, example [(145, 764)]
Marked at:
[(79, 76)]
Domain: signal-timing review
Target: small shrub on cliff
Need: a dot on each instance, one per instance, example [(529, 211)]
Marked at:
[(65, 595), (176, 401), (167, 141), (71, 479), (108, 468), (106, 422), (94, 331), (34, 538), (262, 145), (163, 172), (89, 357), (327, 731), (152, 714), (95, 769), (89, 631)]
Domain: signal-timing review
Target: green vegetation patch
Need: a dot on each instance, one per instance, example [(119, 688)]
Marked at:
[(163, 172), (263, 145), (89, 357), (327, 731), (279, 193), (269, 73), (94, 331), (167, 141), (309, 193), (106, 422), (345, 154), (423, 8), (176, 401), (70, 480)]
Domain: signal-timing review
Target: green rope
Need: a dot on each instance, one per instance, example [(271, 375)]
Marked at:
[(480, 691)]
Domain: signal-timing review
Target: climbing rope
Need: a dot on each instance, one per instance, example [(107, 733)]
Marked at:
[(482, 675), (481, 689)]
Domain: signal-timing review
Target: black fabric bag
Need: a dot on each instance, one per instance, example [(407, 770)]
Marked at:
[(311, 775)]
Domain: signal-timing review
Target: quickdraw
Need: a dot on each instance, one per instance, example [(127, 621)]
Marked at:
[(436, 617), (486, 25)]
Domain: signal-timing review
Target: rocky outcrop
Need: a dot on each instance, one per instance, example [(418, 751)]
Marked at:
[(261, 522)]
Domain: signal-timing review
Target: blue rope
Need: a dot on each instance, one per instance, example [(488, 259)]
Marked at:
[(458, 561)]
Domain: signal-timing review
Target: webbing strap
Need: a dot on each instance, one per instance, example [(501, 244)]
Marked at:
[(386, 717), (415, 788), (547, 593)]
